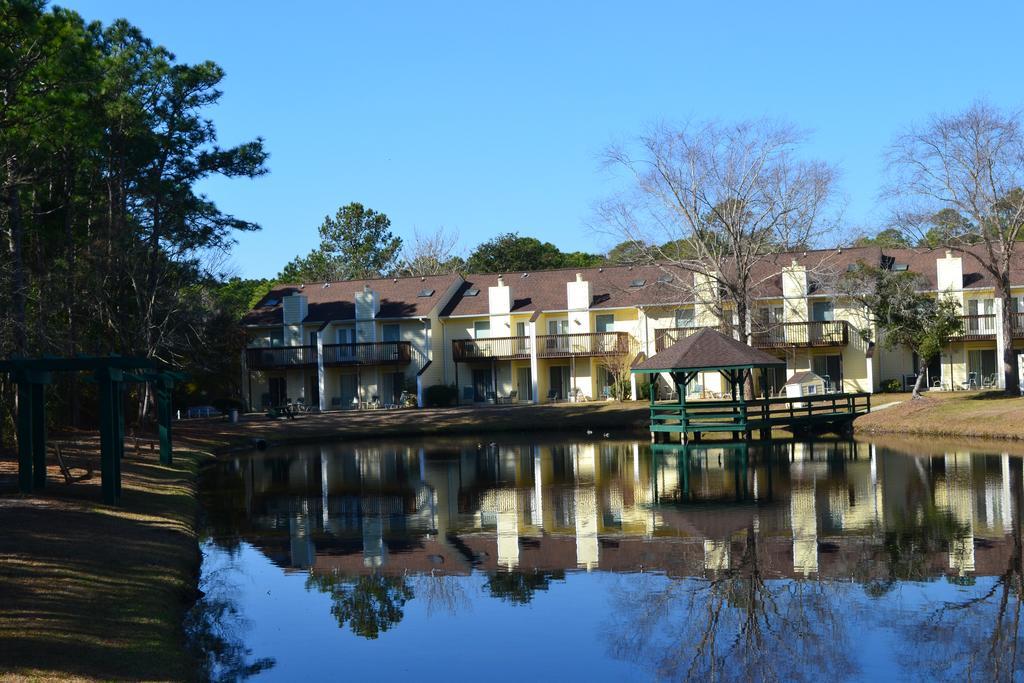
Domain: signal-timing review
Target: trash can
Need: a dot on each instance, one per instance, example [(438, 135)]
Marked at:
[(233, 415)]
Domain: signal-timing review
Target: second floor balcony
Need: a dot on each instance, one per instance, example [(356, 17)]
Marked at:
[(822, 333), (985, 326), (548, 346), (363, 353)]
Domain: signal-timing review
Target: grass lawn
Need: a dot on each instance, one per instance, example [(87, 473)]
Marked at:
[(986, 414), (95, 592)]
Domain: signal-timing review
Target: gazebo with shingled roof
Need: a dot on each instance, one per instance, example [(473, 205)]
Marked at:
[(708, 350)]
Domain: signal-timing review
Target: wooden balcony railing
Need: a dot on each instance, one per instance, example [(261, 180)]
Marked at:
[(548, 346), (978, 327), (501, 348), (809, 334), (582, 344), (275, 357), (776, 336), (368, 353)]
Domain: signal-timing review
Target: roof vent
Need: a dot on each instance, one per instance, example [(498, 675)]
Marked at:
[(423, 279), (501, 281), (579, 277), (302, 286), (326, 285), (395, 280), (525, 275), (600, 270), (472, 292), (636, 284), (425, 292)]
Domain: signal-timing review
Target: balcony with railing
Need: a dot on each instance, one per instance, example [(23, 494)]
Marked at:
[(582, 344), (824, 333), (499, 348), (363, 353), (548, 346), (978, 327), (818, 333), (368, 353), (280, 357)]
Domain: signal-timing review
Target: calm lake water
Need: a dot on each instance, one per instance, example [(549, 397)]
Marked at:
[(588, 559)]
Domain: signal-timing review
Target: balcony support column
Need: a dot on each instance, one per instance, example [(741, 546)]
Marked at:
[(321, 377), (534, 365)]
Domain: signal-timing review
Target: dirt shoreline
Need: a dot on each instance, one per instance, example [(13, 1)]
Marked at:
[(95, 592)]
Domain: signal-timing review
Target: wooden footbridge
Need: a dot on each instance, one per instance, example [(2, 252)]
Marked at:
[(740, 365)]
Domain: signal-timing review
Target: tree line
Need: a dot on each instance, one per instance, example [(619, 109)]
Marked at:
[(106, 245)]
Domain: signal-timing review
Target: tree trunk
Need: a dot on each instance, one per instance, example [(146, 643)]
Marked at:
[(1008, 356), (17, 231), (919, 383)]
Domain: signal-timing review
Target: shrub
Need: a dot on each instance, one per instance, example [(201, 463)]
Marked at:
[(439, 395), (892, 385)]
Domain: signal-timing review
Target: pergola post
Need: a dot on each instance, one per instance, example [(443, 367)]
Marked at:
[(38, 419), (111, 430), (25, 451)]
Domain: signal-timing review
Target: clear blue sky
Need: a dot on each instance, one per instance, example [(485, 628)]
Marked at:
[(491, 117)]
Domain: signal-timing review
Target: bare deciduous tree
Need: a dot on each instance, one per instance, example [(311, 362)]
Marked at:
[(432, 253), (971, 165), (716, 201)]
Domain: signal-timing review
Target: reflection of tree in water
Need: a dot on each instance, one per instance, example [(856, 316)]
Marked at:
[(370, 604), (736, 625), (214, 630), (908, 544), (441, 593), (977, 635), (519, 587)]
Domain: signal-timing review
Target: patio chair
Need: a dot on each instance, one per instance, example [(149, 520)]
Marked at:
[(552, 395), (971, 382), (989, 382), (606, 393), (336, 402), (512, 397)]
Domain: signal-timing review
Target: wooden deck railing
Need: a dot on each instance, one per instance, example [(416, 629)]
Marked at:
[(364, 353), (271, 357), (548, 346), (501, 348), (741, 416), (977, 327), (779, 335), (805, 334), (368, 353), (582, 344)]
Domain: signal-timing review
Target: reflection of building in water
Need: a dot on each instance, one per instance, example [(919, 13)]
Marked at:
[(802, 509), (954, 495), (821, 509)]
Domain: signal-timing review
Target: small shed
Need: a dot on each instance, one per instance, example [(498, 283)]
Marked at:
[(804, 383)]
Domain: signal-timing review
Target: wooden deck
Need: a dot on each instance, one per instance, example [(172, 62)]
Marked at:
[(808, 414)]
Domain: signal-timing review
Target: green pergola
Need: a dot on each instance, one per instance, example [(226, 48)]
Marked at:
[(110, 375), (707, 350)]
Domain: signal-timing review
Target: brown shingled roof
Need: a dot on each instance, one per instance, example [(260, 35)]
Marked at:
[(707, 348), (336, 300), (544, 290)]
